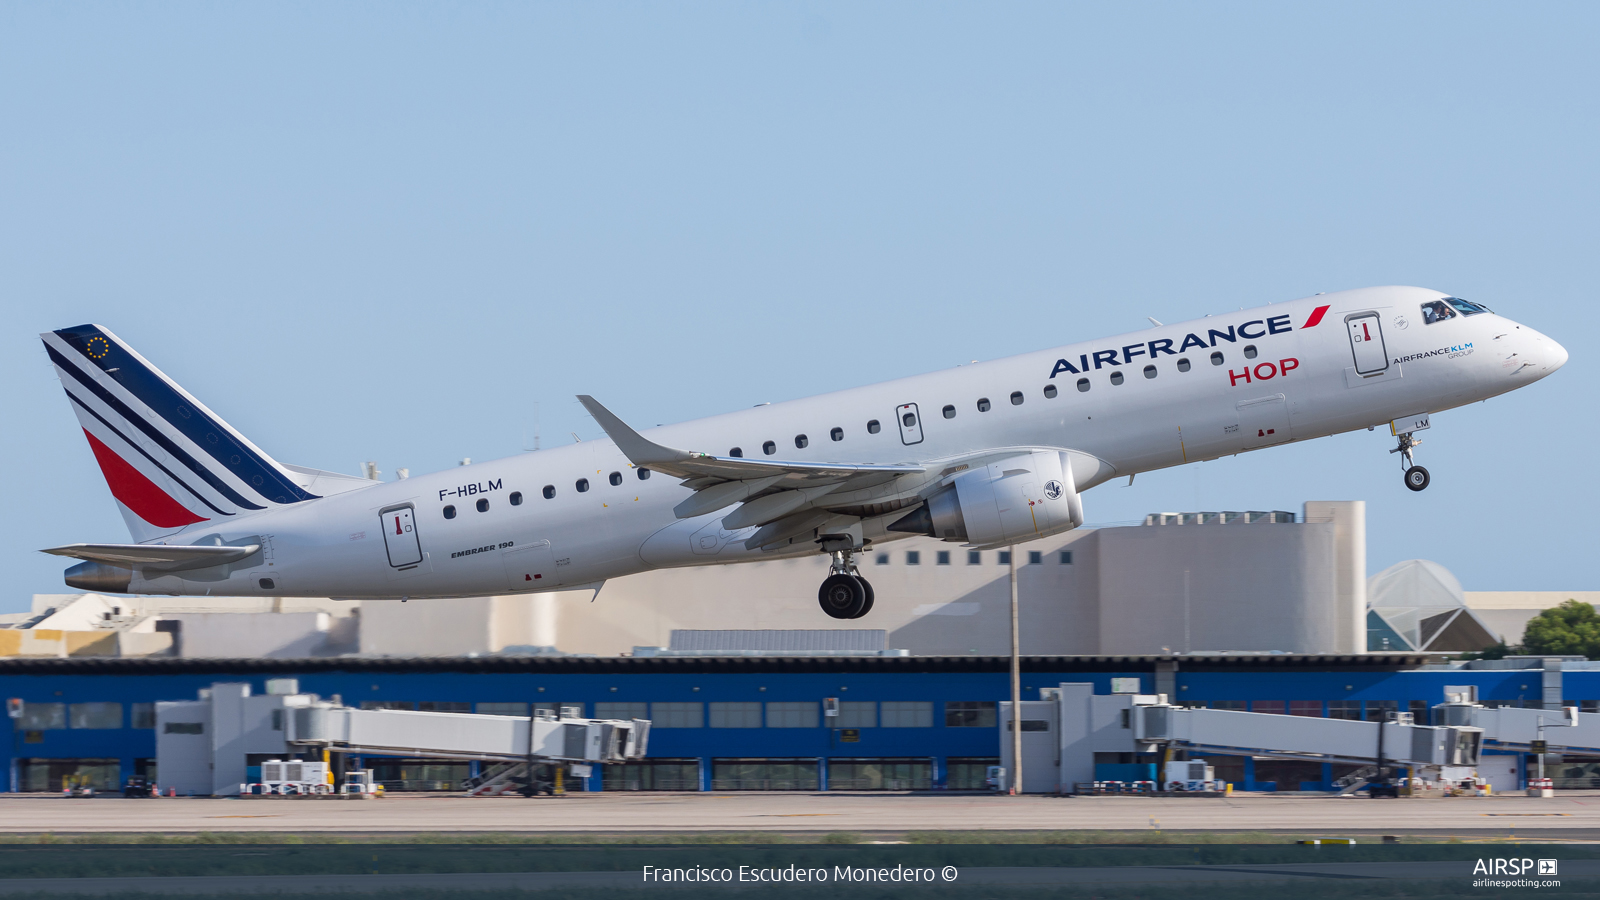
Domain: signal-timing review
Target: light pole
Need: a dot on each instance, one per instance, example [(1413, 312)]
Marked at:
[(1016, 684)]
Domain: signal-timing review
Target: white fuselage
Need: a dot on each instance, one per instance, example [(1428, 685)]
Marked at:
[(1300, 382)]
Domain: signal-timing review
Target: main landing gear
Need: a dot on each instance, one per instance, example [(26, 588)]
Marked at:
[(845, 594), (1416, 476)]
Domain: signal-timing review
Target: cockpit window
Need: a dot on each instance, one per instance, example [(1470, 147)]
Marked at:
[(1436, 311), (1466, 307)]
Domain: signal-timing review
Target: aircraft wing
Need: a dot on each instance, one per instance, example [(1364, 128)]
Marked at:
[(720, 481), (158, 556), (688, 464)]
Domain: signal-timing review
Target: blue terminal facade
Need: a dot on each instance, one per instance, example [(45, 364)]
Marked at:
[(737, 723)]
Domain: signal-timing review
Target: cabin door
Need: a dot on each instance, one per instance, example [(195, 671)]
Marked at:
[(1366, 342), (400, 536)]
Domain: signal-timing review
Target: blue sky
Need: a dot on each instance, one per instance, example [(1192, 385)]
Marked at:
[(407, 232)]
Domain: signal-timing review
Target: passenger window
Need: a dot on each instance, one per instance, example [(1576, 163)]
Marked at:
[(1149, 371), (769, 448), (516, 498), (483, 505), (1183, 364), (909, 420), (949, 412), (1049, 392), (983, 404), (1250, 351), (737, 452), (549, 492), (616, 478), (449, 512), (801, 441), (1116, 377), (1083, 385), (1435, 311), (1216, 358), (1016, 398), (644, 474), (837, 434), (873, 427), (582, 485)]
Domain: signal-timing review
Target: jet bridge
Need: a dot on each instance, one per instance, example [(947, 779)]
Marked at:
[(1064, 732), (204, 746)]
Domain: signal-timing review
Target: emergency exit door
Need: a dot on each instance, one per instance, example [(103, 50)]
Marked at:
[(1366, 342), (400, 536), (910, 423)]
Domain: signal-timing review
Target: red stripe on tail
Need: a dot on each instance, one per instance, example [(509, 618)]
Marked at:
[(1316, 316), (138, 493)]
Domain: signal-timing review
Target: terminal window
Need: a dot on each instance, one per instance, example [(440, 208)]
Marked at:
[(144, 715), (907, 714), (96, 715), (967, 773), (764, 774), (970, 714), (1274, 707), (856, 714), (42, 716), (974, 557), (1344, 709), (792, 714), (1378, 710), (1005, 558), (877, 774), (942, 557), (1066, 557), (573, 710), (881, 559), (1305, 708), (1235, 705), (621, 709), (1035, 558), (652, 775), (502, 709), (677, 715), (736, 714), (444, 706), (913, 558)]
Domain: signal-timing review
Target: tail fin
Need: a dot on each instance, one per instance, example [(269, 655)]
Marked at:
[(169, 460)]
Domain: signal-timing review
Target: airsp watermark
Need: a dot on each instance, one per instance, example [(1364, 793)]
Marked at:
[(797, 875), (1513, 872)]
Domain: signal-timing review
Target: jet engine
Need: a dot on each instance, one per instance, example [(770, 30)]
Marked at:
[(1019, 498)]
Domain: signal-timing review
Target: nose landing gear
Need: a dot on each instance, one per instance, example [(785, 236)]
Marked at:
[(1416, 477), (845, 594)]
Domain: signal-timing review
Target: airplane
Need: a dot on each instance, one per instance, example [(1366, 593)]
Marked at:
[(986, 455)]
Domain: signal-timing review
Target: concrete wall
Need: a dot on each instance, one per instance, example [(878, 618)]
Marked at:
[(241, 635), (1218, 587)]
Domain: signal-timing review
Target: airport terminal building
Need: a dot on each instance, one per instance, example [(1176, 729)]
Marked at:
[(756, 722), (1266, 612)]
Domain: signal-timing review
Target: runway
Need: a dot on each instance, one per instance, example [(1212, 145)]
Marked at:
[(1569, 816), (1042, 876)]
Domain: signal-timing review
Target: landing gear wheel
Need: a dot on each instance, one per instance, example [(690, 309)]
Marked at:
[(1417, 478), (842, 596), (865, 607)]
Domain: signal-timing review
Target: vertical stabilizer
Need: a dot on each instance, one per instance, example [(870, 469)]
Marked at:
[(170, 462)]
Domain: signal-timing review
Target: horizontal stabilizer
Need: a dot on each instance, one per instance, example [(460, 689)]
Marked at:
[(156, 556)]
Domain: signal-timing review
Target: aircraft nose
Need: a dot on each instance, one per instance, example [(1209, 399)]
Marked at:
[(1555, 354)]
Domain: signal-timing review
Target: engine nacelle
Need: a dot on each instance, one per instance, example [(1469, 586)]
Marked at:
[(1019, 498)]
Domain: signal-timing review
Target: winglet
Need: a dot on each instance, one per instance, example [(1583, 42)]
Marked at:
[(638, 450)]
